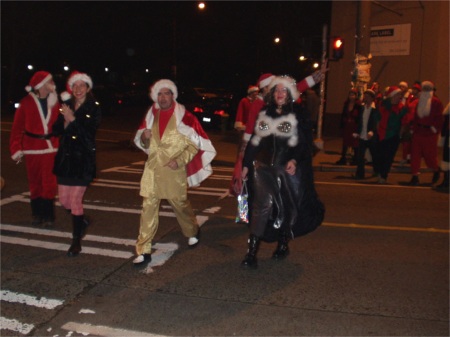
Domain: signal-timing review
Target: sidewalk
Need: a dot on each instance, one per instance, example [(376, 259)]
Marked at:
[(323, 161)]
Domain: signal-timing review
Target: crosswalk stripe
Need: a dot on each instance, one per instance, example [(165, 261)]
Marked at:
[(99, 330), (42, 302), (15, 325)]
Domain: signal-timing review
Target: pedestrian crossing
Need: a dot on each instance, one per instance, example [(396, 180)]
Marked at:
[(93, 245)]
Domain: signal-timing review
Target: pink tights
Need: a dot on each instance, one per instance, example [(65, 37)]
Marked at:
[(71, 197)]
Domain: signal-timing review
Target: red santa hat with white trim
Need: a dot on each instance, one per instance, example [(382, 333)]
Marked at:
[(38, 80), (158, 85), (289, 83), (393, 90), (264, 80), (75, 76)]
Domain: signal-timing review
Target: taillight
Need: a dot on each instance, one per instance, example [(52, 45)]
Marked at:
[(219, 112), (119, 101), (198, 109)]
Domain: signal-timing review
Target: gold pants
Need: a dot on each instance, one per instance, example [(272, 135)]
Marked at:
[(150, 221)]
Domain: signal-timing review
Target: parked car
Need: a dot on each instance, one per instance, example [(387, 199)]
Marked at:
[(210, 106)]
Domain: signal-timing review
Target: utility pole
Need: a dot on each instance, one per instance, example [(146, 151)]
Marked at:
[(318, 141)]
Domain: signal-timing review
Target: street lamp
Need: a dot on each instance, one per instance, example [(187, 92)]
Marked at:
[(201, 5)]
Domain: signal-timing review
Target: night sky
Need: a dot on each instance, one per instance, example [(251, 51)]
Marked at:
[(229, 44)]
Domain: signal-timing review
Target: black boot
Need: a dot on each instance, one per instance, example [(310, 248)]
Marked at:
[(341, 161), (250, 258), (445, 183), (75, 247), (436, 176), (282, 248), (36, 211), (414, 181), (48, 213)]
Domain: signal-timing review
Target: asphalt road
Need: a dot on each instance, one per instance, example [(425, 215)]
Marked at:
[(378, 266)]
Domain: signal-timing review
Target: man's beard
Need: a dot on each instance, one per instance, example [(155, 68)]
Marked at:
[(424, 104)]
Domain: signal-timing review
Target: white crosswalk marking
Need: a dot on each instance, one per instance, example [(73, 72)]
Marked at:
[(42, 302)]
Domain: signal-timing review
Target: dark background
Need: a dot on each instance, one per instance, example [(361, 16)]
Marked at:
[(229, 44)]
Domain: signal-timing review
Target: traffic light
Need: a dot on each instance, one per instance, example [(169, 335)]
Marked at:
[(338, 48)]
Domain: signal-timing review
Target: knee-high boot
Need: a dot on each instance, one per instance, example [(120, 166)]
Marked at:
[(79, 227), (282, 248), (36, 211), (48, 214), (250, 258)]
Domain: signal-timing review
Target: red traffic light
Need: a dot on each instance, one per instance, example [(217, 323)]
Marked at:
[(338, 48)]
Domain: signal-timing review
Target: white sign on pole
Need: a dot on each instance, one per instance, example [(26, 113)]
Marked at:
[(390, 40)]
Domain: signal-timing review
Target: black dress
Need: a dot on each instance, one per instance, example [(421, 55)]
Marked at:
[(279, 202), (75, 161)]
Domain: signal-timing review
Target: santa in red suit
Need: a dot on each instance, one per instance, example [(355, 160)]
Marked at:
[(426, 127), (31, 136)]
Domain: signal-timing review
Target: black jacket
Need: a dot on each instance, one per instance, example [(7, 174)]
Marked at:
[(76, 156), (277, 201)]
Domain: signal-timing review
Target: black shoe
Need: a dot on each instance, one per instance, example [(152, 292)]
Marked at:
[(48, 223), (281, 252), (249, 262), (36, 221), (341, 161), (75, 248), (436, 176), (414, 181), (142, 259)]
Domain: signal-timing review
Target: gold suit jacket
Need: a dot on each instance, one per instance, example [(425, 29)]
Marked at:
[(159, 180)]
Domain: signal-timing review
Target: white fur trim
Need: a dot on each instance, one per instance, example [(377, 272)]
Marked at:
[(310, 81), (287, 82), (65, 96), (265, 82), (164, 83), (16, 156), (209, 152), (50, 150), (271, 128), (394, 92), (81, 76), (246, 137), (45, 80)]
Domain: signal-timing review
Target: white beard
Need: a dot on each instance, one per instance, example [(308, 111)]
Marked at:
[(424, 104)]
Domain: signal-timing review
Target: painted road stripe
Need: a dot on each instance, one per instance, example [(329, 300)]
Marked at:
[(99, 330), (42, 302), (15, 325), (64, 246), (201, 219)]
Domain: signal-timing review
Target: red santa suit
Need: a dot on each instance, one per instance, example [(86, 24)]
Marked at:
[(30, 136), (426, 127)]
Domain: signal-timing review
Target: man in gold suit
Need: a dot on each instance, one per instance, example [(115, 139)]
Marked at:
[(179, 156)]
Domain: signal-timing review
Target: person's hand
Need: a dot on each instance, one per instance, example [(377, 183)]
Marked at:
[(146, 134), (291, 167), (67, 112), (172, 164), (369, 134), (244, 173)]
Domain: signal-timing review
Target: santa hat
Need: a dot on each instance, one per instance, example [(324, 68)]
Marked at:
[(264, 80), (38, 80), (427, 85), (393, 90), (417, 86), (289, 83), (164, 83), (370, 92), (77, 76), (252, 88), (403, 84)]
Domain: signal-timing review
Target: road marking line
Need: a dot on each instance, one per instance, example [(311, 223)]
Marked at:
[(391, 228), (99, 330), (201, 219), (42, 302), (15, 325), (64, 246)]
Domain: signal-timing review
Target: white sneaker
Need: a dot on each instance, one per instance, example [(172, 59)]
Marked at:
[(142, 258), (192, 241)]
